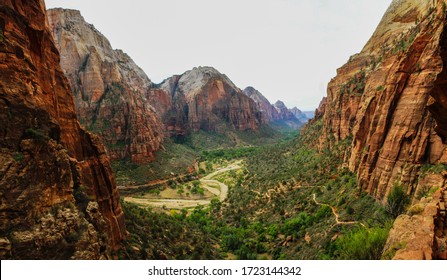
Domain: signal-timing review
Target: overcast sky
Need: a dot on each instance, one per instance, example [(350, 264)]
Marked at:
[(287, 49)]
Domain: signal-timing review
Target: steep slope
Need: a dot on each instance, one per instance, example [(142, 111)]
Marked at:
[(381, 100), (389, 102), (113, 95), (273, 113), (57, 191), (204, 99), (269, 111)]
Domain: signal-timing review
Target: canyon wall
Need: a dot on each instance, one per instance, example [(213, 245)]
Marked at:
[(384, 104), (388, 104), (113, 96), (57, 190)]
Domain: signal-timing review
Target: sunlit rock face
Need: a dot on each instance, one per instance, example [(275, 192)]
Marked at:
[(388, 102), (113, 96), (206, 99)]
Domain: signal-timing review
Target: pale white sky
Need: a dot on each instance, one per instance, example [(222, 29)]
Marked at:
[(287, 49)]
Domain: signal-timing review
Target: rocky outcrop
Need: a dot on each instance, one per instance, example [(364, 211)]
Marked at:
[(273, 113), (422, 233), (387, 101), (51, 170), (204, 99), (114, 97)]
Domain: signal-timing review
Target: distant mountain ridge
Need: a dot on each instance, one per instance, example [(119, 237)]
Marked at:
[(277, 112)]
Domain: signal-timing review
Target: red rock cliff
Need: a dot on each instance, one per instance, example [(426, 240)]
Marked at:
[(205, 99), (113, 96), (388, 101), (57, 191)]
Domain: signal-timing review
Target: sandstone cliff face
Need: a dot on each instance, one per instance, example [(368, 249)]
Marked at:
[(387, 100), (57, 191), (113, 96), (273, 113), (205, 99)]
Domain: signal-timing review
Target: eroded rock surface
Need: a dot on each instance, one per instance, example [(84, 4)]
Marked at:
[(50, 167), (113, 96)]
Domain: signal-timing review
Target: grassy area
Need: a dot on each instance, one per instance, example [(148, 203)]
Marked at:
[(174, 159), (202, 140)]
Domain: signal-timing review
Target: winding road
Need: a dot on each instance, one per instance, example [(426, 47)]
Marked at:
[(218, 189)]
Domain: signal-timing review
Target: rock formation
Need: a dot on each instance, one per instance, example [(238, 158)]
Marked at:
[(113, 96), (388, 100), (421, 234), (57, 191), (285, 115), (388, 103), (204, 99), (273, 113)]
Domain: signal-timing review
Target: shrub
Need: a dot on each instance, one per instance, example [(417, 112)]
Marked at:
[(361, 244), (18, 156), (397, 201), (295, 225), (36, 134)]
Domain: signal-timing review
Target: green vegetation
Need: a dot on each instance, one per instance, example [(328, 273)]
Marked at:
[(406, 40), (174, 159), (397, 201), (432, 169), (154, 235), (230, 138), (282, 205), (361, 243), (355, 85), (228, 154), (426, 192), (179, 158), (18, 156), (36, 134), (380, 88)]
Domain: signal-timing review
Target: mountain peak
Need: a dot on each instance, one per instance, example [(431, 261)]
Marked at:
[(279, 104)]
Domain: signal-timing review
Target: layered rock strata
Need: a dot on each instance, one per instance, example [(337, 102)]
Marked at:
[(58, 194), (387, 101), (205, 99), (113, 96)]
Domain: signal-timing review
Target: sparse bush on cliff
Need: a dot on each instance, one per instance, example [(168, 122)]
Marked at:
[(397, 201)]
